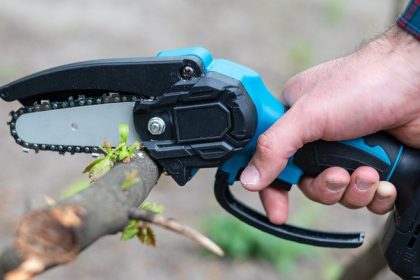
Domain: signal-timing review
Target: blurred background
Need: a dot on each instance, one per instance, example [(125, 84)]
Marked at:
[(276, 38)]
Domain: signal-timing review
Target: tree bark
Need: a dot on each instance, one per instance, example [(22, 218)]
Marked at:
[(55, 235), (366, 265)]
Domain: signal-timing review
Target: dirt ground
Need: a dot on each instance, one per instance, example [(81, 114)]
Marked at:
[(276, 38)]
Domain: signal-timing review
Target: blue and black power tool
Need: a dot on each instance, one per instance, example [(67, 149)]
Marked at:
[(192, 111)]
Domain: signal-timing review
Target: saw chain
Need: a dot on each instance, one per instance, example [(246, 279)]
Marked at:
[(47, 105)]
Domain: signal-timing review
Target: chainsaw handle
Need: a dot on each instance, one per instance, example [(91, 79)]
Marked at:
[(379, 151)]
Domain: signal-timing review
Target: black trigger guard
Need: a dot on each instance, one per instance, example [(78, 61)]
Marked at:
[(288, 232)]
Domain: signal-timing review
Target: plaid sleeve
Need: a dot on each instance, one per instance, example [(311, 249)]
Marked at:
[(410, 19)]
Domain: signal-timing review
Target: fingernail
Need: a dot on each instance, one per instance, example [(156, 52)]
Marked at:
[(335, 186), (363, 185), (250, 176)]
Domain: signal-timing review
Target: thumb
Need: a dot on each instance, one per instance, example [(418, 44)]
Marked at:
[(275, 146)]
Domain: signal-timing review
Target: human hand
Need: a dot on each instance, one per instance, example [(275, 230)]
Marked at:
[(375, 88)]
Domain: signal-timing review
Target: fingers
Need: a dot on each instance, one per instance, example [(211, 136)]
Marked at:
[(275, 202), (328, 187), (363, 184), (301, 84), (335, 185), (274, 147), (384, 198), (361, 189)]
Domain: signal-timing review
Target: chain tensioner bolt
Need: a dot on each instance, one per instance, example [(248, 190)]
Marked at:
[(187, 72), (156, 126)]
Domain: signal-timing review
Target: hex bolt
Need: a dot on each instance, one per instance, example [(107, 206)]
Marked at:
[(187, 72), (156, 126)]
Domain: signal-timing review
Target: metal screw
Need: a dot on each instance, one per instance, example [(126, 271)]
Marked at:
[(187, 72), (156, 126)]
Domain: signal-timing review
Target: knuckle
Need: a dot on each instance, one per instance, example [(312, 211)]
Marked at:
[(266, 143), (353, 204), (328, 198)]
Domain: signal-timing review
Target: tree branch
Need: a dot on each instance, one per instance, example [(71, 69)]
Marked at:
[(55, 235), (366, 265), (175, 226)]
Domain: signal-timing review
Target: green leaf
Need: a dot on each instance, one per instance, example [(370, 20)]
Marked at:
[(146, 235), (100, 168), (153, 207), (131, 230), (123, 133), (123, 154), (92, 164), (135, 146)]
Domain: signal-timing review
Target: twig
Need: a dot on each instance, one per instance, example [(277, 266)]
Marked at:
[(175, 226)]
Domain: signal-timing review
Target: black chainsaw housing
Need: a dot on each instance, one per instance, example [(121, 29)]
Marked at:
[(140, 77), (207, 119)]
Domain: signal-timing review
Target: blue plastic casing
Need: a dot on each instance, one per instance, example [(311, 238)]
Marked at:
[(269, 110)]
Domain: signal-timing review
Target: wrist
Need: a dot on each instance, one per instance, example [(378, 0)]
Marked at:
[(400, 40), (401, 51)]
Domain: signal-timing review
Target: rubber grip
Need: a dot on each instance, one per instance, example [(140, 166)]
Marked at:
[(379, 150)]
